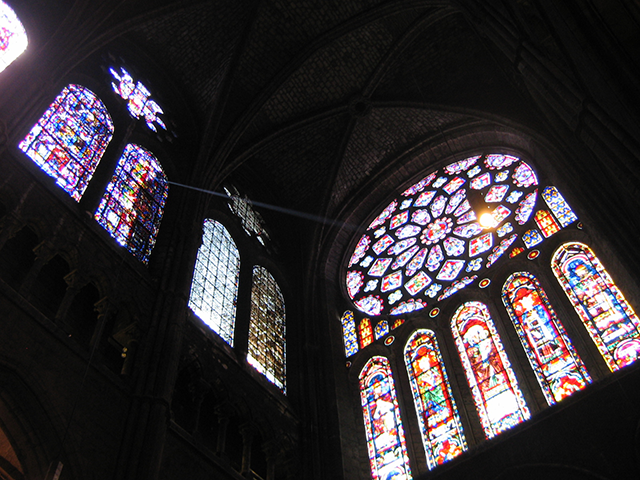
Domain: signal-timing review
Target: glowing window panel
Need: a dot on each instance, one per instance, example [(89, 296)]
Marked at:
[(425, 198), (360, 250), (546, 223), (408, 231), (266, 350), (366, 262), (366, 332), (523, 212), (70, 138), (399, 219), (371, 305), (474, 171), (440, 181), (132, 205), (440, 425), (467, 217), (382, 329), (500, 213), (516, 251), (474, 265), (386, 213), (531, 238), (417, 262), (411, 305), (355, 280), (421, 217), (495, 390), (496, 193), (386, 442), (481, 182), (500, 249), (455, 287), (455, 201), (608, 317), (433, 290), (454, 247), (397, 322), (454, 185), (514, 196), (13, 37), (406, 204), (461, 166), (480, 244), (437, 207), (214, 287), (391, 282), (394, 297), (450, 270), (524, 176), (139, 99), (501, 176), (401, 260), (559, 206), (468, 231), (349, 334), (380, 266), (379, 232), (504, 229), (417, 283), (421, 185), (435, 258), (464, 207), (558, 368), (401, 246), (493, 162), (371, 285), (382, 244)]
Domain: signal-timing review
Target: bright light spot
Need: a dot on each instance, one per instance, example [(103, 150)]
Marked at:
[(487, 220)]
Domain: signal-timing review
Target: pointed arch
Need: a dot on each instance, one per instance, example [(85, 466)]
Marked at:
[(69, 140), (214, 287), (556, 364), (386, 442), (13, 37), (132, 206), (442, 434), (493, 383), (606, 314)]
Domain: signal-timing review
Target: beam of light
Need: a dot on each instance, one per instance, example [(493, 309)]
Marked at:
[(286, 211)]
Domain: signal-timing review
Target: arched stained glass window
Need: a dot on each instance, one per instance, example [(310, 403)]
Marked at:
[(608, 317), (349, 333), (366, 332), (13, 38), (382, 328), (266, 351), (132, 206), (214, 288), (495, 390), (385, 436), (440, 425), (557, 366), (70, 138)]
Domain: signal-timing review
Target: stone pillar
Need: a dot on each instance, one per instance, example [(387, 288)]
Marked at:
[(246, 430)]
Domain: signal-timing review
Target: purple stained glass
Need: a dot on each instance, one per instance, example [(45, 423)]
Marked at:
[(481, 182), (435, 258), (523, 212), (454, 185), (455, 201), (461, 166), (496, 193), (401, 246), (468, 231), (437, 207), (499, 162), (132, 206), (408, 231), (360, 250), (464, 207), (371, 305), (391, 282), (500, 213), (500, 249), (454, 247), (421, 185), (439, 182), (140, 104), (382, 244), (70, 138), (524, 176), (409, 306), (355, 280), (514, 196), (424, 198), (402, 259), (480, 244), (417, 283), (380, 266), (417, 262), (399, 219), (421, 217), (455, 287), (13, 37), (467, 217), (501, 176), (436, 231), (450, 270)]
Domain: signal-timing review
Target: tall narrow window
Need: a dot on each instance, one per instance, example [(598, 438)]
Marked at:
[(214, 288), (366, 332), (70, 138), (132, 205), (440, 424), (267, 328), (493, 383), (349, 333), (609, 319), (385, 436), (13, 38), (557, 366)]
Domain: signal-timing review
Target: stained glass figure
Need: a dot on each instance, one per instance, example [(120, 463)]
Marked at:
[(495, 390), (608, 317), (559, 206), (386, 442), (139, 99), (382, 244), (416, 262), (382, 328), (132, 206), (440, 425), (425, 198), (70, 138), (13, 38), (546, 223), (267, 328), (480, 244), (349, 334), (214, 287), (499, 162), (558, 368)]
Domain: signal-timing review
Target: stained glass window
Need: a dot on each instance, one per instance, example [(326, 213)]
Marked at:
[(559, 206), (132, 206), (214, 288), (70, 138), (366, 332), (266, 352), (139, 102), (548, 226), (252, 221), (349, 333), (608, 317), (440, 426), (386, 442), (13, 38), (557, 366), (382, 328), (495, 390)]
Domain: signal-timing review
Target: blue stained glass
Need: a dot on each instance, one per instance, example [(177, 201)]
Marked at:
[(559, 206), (349, 333)]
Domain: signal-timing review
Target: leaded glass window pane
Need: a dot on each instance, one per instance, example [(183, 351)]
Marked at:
[(495, 390), (440, 426), (139, 102), (13, 38), (70, 138), (132, 206), (608, 317), (214, 288), (385, 436), (558, 368), (349, 333), (267, 343)]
